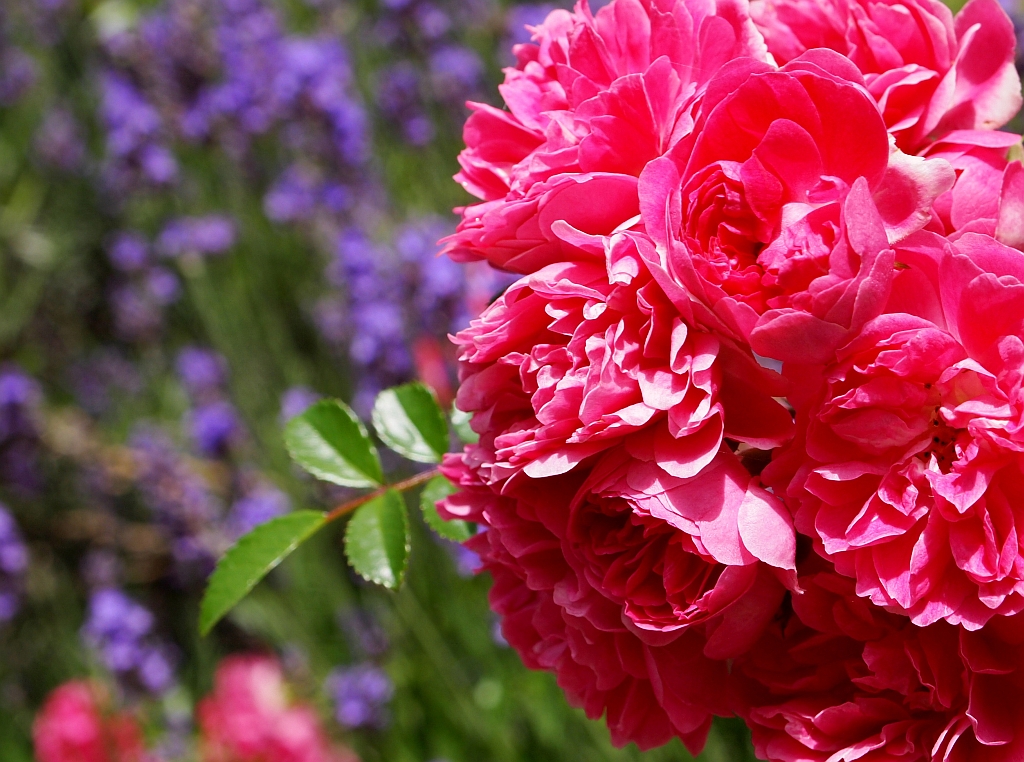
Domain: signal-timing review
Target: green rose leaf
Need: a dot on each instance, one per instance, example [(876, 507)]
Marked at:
[(377, 540), (460, 422), (330, 442), (251, 558), (439, 488), (409, 421)]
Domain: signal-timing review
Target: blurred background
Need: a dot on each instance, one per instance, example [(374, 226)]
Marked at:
[(213, 212)]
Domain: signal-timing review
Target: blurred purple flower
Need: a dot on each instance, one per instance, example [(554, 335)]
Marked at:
[(361, 694), (258, 506), (58, 143), (293, 197), (214, 428), (210, 234), (202, 371), (13, 564), (180, 501), (456, 71), (163, 285), (18, 74), (99, 378), (418, 130), (467, 562), (120, 631), (432, 22), (137, 315), (296, 400), (134, 133), (20, 397), (128, 251)]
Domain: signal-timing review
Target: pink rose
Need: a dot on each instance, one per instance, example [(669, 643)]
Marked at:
[(556, 622), (680, 552), (589, 105), (74, 726), (913, 455), (565, 364), (840, 680), (778, 220), (250, 718), (988, 195), (929, 72)]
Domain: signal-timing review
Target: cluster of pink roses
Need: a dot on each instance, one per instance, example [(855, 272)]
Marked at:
[(249, 717), (751, 424)]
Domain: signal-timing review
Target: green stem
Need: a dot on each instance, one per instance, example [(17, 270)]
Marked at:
[(406, 484)]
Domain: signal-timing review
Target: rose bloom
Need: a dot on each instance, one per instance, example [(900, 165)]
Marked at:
[(911, 462), (565, 364), (837, 680), (988, 195), (249, 718), (590, 102), (779, 214), (930, 73), (676, 552), (565, 553), (74, 726)]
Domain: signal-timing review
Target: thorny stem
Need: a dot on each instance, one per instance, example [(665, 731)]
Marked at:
[(413, 481)]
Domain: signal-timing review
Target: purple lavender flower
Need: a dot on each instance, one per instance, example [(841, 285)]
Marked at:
[(180, 502), (163, 286), (467, 562), (100, 569), (214, 427), (202, 371), (256, 507), (431, 22), (440, 284), (398, 87), (361, 694), (96, 380), (134, 133), (128, 251), (455, 71), (418, 130), (18, 74), (13, 564), (210, 234), (295, 401), (20, 397), (137, 315), (58, 143), (120, 631), (293, 197)]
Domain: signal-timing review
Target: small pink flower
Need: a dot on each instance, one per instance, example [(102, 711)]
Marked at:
[(73, 726), (930, 73), (250, 718)]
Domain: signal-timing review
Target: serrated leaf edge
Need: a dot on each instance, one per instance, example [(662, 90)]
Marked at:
[(206, 624), (408, 550)]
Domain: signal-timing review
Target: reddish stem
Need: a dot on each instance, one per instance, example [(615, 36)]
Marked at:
[(413, 481)]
